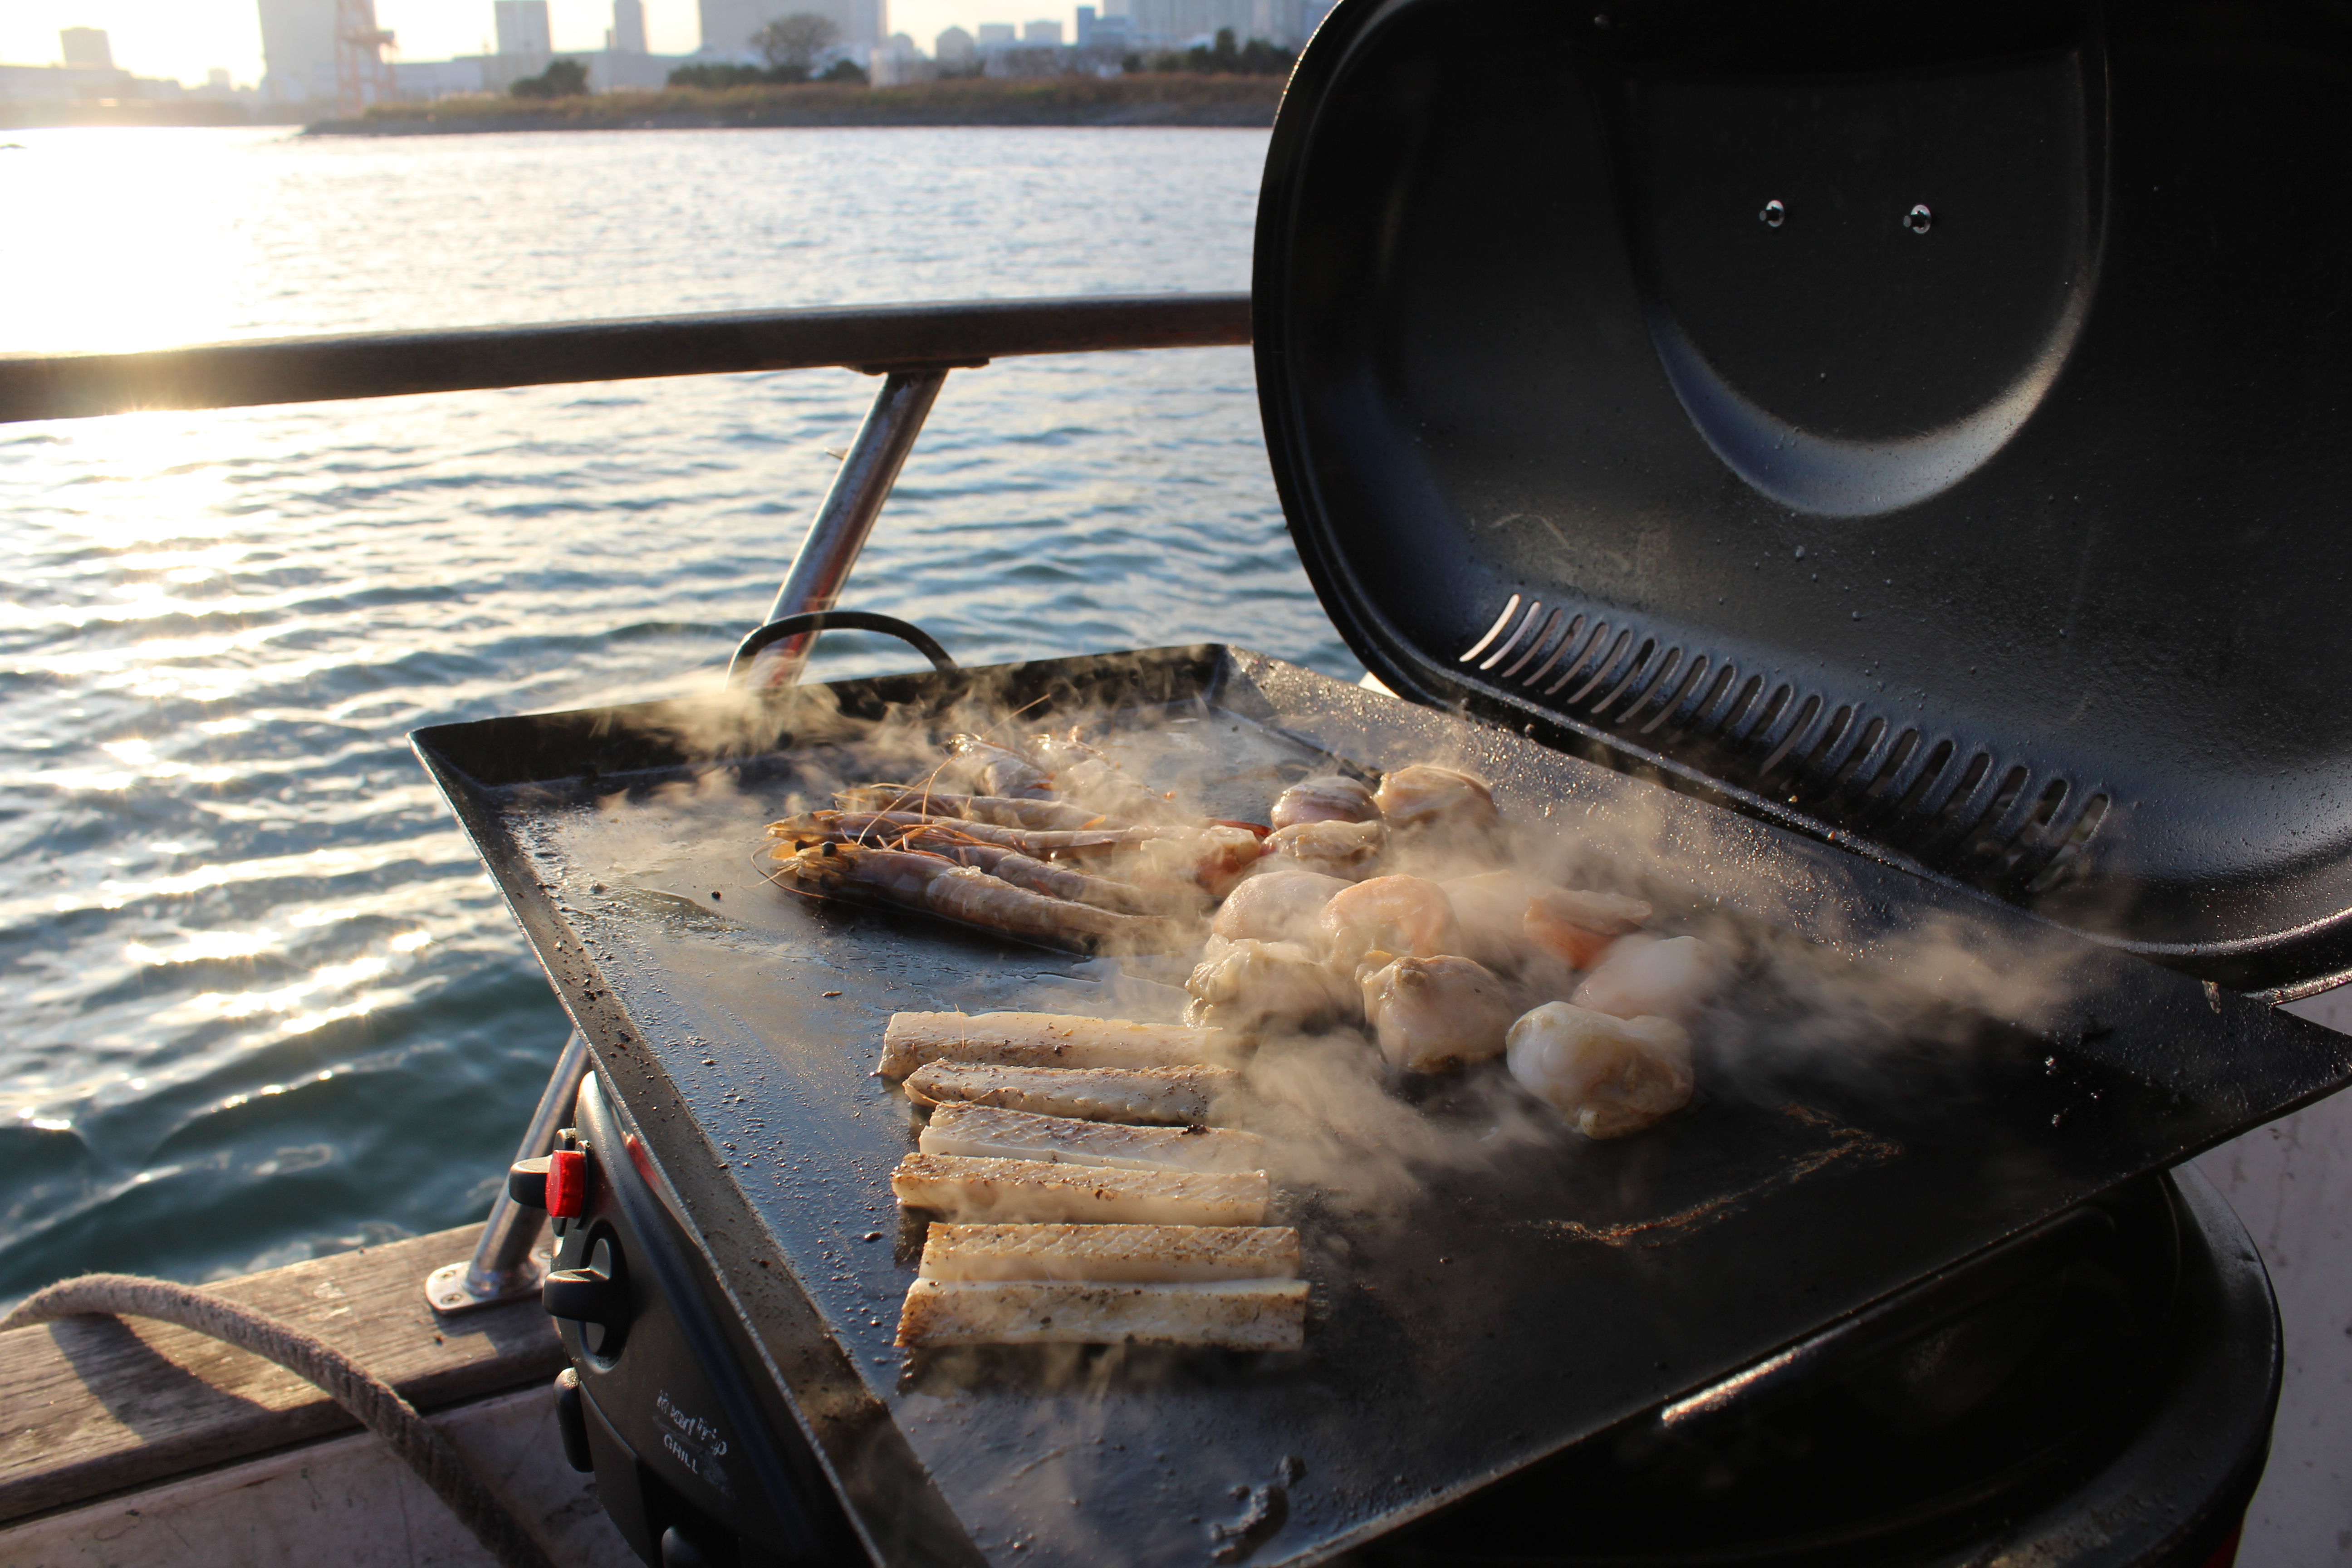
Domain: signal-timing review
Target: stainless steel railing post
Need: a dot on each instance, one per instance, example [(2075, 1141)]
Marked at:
[(506, 1262), (846, 518)]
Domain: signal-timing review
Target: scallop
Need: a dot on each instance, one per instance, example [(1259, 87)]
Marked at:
[(1610, 1077), (1643, 975), (1434, 1014), (1428, 799), (1347, 849), (1250, 985), (1276, 905), (1327, 798)]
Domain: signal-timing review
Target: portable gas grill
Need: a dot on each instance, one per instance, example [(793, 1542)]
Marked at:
[(1888, 450)]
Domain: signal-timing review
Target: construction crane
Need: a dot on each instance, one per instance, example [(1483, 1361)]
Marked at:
[(363, 72)]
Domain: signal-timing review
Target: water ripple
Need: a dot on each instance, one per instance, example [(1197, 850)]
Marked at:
[(264, 1000)]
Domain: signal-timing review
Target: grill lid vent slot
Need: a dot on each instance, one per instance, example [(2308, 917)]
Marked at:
[(1854, 768)]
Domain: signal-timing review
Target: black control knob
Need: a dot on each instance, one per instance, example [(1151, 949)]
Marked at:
[(571, 1420), (596, 1298), (527, 1183)]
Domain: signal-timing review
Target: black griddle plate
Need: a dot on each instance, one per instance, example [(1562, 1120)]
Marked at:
[(1496, 1317)]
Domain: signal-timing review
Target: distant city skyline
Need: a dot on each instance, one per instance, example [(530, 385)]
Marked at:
[(185, 39)]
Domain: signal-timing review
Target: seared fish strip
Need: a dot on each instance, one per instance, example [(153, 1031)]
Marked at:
[(1044, 1040), (962, 1128), (1168, 1096), (1111, 1254), (1242, 1315), (1005, 1190)]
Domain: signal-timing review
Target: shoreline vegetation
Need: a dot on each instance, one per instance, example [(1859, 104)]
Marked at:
[(1155, 98)]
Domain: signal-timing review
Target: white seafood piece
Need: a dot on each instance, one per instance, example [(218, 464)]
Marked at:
[(1671, 978), (1607, 1075), (1432, 799), (1576, 927), (1433, 1013), (1044, 1040), (989, 1131), (1275, 906), (1249, 986), (1330, 798), (1390, 914), (1236, 1314), (963, 1188), (1173, 1097), (1345, 849), (1120, 1253)]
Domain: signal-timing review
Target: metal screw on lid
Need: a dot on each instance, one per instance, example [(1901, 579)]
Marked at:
[(1774, 215), (1918, 219)]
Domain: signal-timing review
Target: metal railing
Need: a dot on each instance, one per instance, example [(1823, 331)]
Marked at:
[(913, 347)]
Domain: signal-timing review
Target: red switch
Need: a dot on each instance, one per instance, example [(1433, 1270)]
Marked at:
[(567, 1184)]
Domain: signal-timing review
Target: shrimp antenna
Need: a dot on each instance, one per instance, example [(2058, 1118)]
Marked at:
[(1016, 713)]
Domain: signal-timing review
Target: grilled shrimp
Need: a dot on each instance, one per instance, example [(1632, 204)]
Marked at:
[(1578, 928), (1216, 857), (1060, 881), (1609, 1076), (1395, 914), (1433, 1013), (1063, 751), (996, 770), (1039, 843), (906, 878), (1086, 776), (1001, 810), (1330, 798), (1492, 908), (1097, 784)]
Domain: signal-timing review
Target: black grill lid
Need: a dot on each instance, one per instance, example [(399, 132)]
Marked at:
[(1925, 423)]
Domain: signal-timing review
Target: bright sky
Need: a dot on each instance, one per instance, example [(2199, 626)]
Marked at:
[(183, 38)]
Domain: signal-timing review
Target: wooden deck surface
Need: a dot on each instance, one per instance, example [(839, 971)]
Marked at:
[(96, 1406)]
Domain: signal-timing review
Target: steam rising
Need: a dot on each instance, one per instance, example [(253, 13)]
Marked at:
[(1793, 1008)]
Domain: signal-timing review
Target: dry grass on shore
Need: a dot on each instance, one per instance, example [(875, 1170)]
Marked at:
[(1146, 99)]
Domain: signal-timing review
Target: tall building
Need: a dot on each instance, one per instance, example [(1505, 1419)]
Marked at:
[(86, 47), (522, 28), (297, 49), (728, 25), (998, 34), (629, 26), (1173, 24), (953, 47)]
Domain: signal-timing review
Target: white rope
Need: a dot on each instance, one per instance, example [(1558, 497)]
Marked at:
[(374, 1403)]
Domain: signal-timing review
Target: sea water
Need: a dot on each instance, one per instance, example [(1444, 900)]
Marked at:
[(257, 999)]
